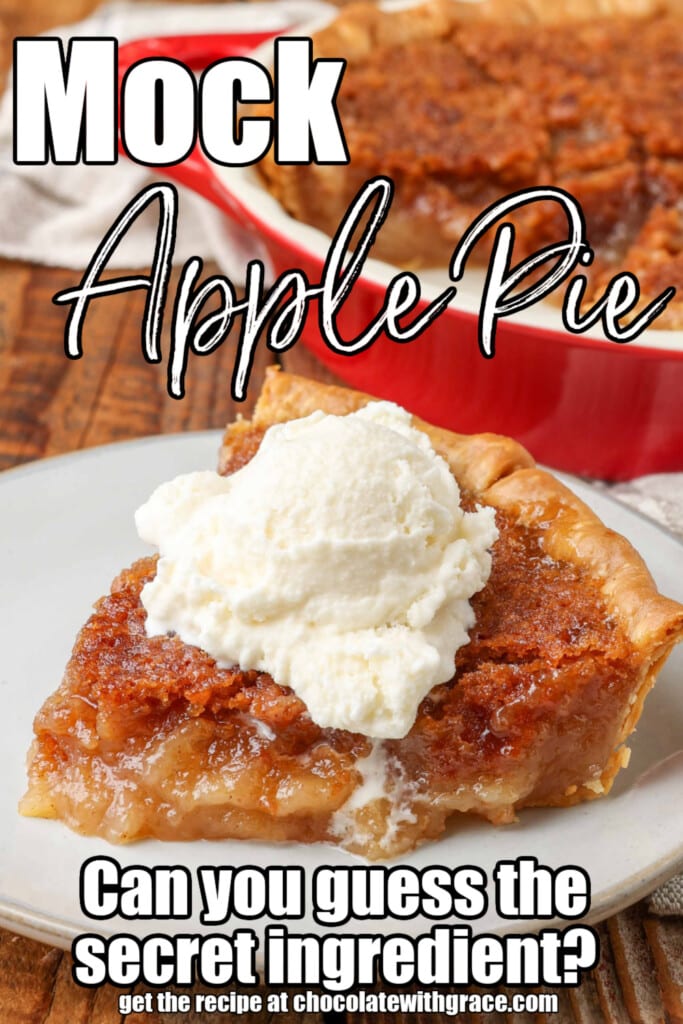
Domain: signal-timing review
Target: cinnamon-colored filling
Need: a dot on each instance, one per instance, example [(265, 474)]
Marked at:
[(147, 736), (488, 108)]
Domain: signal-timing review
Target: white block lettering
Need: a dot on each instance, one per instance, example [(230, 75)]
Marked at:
[(65, 109)]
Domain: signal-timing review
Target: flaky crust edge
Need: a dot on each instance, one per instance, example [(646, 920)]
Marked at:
[(361, 27), (312, 194), (501, 473)]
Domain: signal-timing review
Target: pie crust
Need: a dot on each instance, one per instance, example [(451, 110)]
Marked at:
[(464, 103), (148, 737)]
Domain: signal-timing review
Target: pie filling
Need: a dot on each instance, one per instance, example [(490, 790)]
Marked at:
[(460, 112), (148, 737)]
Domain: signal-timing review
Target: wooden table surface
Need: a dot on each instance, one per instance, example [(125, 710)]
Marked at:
[(49, 405)]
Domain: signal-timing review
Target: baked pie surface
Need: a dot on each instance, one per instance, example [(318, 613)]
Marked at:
[(463, 103), (146, 736)]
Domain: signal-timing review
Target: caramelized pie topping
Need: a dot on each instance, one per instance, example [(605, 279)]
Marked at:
[(148, 737), (463, 106)]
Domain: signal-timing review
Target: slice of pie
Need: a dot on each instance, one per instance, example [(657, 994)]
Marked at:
[(463, 103), (146, 736)]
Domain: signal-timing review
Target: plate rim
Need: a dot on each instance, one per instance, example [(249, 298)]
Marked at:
[(58, 932), (31, 466), (25, 920)]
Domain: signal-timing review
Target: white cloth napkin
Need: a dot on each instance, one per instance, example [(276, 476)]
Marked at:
[(57, 215), (660, 497)]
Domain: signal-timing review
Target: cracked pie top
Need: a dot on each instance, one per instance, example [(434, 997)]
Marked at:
[(462, 104), (554, 628)]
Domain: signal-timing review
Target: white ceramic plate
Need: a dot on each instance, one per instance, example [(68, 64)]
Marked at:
[(67, 529)]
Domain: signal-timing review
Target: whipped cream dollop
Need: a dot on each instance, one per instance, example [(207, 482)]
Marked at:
[(339, 560)]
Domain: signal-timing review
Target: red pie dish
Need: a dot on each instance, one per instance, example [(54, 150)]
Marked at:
[(579, 402)]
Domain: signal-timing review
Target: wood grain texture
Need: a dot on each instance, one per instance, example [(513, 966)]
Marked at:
[(50, 405)]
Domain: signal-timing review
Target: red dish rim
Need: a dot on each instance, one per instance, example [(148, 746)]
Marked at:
[(199, 174)]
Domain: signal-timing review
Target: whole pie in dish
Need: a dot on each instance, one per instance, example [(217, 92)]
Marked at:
[(146, 736), (463, 103)]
